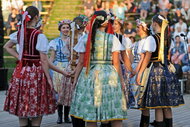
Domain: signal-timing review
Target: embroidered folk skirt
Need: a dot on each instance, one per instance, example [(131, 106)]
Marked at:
[(62, 84), (163, 89), (98, 96), (30, 95)]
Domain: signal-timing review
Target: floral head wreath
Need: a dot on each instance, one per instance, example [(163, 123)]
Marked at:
[(141, 23), (65, 21), (84, 19)]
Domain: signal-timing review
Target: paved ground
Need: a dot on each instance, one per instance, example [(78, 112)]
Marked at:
[(181, 116)]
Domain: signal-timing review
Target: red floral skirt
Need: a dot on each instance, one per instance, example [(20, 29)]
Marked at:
[(30, 95)]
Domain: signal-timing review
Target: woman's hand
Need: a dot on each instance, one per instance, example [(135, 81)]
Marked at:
[(65, 73), (50, 83), (133, 73), (138, 79)]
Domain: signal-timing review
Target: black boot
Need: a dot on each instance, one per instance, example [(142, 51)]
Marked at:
[(66, 114), (159, 124), (153, 123), (168, 122), (144, 121), (60, 114), (106, 124), (77, 122)]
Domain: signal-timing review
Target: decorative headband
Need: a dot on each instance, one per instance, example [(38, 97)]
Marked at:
[(142, 23), (65, 21), (160, 17), (84, 19)]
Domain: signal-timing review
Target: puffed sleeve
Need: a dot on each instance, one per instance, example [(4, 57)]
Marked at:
[(42, 44), (126, 42), (149, 45), (81, 45), (52, 45), (13, 37), (140, 46), (117, 46)]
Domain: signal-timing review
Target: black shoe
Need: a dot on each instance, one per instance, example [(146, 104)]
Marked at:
[(153, 123), (106, 124), (67, 120), (59, 120), (144, 122)]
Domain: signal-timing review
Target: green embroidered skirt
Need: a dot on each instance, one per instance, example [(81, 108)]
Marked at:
[(98, 96)]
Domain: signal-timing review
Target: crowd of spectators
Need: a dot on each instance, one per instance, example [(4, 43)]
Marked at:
[(176, 11), (12, 10)]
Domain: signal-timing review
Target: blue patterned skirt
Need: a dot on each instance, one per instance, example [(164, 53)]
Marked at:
[(163, 89)]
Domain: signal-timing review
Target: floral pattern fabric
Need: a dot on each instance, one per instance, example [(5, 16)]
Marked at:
[(31, 95)]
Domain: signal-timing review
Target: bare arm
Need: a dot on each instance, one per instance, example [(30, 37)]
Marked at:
[(126, 60), (117, 65), (140, 63), (79, 67), (9, 48), (130, 54), (46, 65), (52, 56), (143, 66)]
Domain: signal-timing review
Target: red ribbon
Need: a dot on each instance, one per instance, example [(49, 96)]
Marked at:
[(88, 45)]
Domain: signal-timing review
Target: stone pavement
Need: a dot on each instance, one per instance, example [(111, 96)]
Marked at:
[(181, 116)]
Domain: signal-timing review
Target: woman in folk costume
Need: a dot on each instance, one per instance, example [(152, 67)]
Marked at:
[(126, 42), (60, 56), (30, 94), (98, 95), (134, 90), (162, 89), (80, 32), (124, 56), (137, 58)]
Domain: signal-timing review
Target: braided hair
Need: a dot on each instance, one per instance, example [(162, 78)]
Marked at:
[(97, 24)]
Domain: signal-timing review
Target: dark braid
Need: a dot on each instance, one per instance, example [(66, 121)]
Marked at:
[(96, 25)]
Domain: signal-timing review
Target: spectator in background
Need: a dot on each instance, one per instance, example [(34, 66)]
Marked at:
[(144, 8), (115, 7), (99, 5), (177, 15), (186, 62), (130, 31), (120, 11), (37, 4), (185, 11), (163, 5), (88, 7), (18, 4), (6, 9), (178, 51), (181, 24), (185, 3), (107, 6), (12, 21), (131, 7)]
